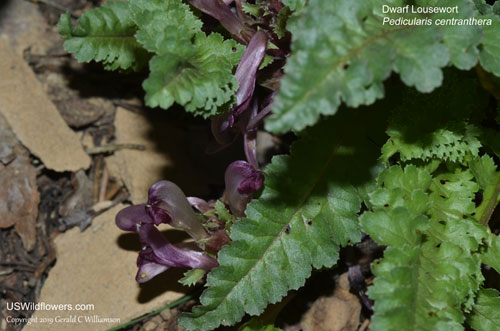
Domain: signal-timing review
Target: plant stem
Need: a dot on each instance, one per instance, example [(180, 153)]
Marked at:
[(154, 312), (491, 204)]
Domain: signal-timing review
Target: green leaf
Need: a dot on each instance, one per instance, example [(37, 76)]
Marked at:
[(491, 256), (490, 53), (295, 5), (485, 314), (484, 169), (342, 52), (104, 34), (435, 126), (452, 194), (258, 326), (307, 210), (162, 23), (431, 270), (189, 68), (191, 277), (224, 215), (197, 76)]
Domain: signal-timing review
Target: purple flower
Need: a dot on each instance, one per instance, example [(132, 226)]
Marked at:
[(168, 204), (157, 254), (242, 180)]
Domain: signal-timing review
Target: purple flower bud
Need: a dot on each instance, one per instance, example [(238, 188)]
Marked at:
[(168, 204), (241, 181), (158, 255), (247, 70)]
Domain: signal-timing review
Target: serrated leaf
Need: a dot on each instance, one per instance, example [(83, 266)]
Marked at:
[(104, 34), (491, 256), (197, 76), (485, 314), (189, 68), (306, 211), (452, 194), (431, 269), (434, 126), (191, 277), (223, 214), (342, 52), (162, 23)]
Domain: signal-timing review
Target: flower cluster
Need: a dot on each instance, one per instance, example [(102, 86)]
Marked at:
[(168, 204)]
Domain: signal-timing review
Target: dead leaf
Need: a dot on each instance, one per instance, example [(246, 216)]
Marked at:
[(74, 209), (25, 27), (339, 312), (34, 118), (164, 157), (78, 111), (98, 267), (9, 146), (19, 199)]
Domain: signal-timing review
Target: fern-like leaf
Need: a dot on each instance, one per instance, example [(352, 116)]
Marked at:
[(343, 51), (163, 23), (307, 210), (485, 314), (197, 76), (491, 256), (189, 68), (431, 270), (435, 126), (104, 34)]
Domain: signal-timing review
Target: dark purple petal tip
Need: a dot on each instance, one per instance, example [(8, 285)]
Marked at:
[(241, 181), (251, 184), (129, 218)]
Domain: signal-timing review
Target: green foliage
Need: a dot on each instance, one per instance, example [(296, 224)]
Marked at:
[(191, 277), (258, 326), (430, 271), (342, 52), (484, 170), (163, 24), (197, 76), (307, 210), (435, 126), (295, 5), (106, 35), (490, 55), (485, 314), (491, 256), (187, 66)]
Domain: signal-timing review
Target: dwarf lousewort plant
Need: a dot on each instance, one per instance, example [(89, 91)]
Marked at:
[(406, 171)]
